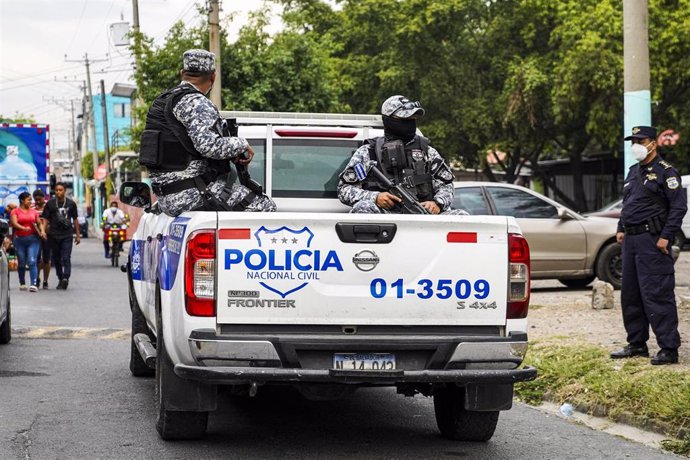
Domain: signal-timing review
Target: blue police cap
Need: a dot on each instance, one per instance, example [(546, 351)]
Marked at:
[(642, 132)]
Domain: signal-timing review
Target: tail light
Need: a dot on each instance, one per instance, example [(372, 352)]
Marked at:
[(518, 284), (199, 273)]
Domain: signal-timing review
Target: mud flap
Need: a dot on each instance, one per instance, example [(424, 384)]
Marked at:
[(489, 397)]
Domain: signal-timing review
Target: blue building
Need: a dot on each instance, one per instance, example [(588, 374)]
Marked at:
[(118, 108)]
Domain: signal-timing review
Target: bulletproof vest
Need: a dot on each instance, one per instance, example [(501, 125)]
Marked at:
[(405, 164), (165, 144)]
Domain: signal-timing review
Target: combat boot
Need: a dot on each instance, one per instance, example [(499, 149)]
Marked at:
[(630, 351), (665, 356)]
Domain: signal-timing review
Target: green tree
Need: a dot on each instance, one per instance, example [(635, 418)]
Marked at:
[(17, 118)]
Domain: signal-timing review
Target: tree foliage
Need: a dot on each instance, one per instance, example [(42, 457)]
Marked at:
[(537, 79)]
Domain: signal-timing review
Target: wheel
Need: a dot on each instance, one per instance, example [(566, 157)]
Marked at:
[(114, 259), (679, 240), (610, 265), (6, 328), (459, 424), (137, 366), (577, 283), (172, 425)]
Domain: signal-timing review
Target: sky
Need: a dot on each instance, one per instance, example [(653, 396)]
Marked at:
[(40, 38)]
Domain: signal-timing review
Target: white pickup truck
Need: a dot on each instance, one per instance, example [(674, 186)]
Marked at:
[(324, 300)]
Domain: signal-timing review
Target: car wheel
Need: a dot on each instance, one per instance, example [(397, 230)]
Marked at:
[(577, 283), (610, 265), (173, 425), (6, 328), (459, 424)]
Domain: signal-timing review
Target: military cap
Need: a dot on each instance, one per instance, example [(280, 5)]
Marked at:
[(642, 132), (401, 107), (197, 60)]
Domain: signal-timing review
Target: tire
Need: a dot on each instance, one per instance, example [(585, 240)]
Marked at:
[(577, 283), (610, 265), (137, 366), (6, 328), (173, 425), (459, 424), (679, 240)]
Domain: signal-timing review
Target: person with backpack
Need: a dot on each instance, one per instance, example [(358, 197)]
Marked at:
[(62, 221)]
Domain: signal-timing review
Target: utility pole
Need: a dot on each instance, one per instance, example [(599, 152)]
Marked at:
[(106, 135), (214, 47), (137, 47), (637, 100)]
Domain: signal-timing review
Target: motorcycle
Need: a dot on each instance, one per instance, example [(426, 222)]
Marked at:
[(115, 235)]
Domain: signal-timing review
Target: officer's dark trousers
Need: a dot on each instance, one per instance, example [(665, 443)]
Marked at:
[(647, 295)]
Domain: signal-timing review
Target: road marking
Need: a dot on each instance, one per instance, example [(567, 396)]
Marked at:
[(55, 332)]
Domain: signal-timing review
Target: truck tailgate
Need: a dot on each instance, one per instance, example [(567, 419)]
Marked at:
[(290, 268)]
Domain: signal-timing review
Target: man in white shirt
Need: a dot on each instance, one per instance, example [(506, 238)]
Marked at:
[(111, 216)]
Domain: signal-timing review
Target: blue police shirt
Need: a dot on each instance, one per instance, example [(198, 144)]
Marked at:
[(665, 196)]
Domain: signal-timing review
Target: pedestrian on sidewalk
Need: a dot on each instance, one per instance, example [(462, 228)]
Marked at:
[(44, 253), (62, 220), (28, 231)]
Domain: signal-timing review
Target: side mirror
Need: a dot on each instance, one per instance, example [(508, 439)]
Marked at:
[(4, 227), (563, 214), (136, 194)]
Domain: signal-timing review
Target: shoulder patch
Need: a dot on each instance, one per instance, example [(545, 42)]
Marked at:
[(349, 176), (665, 164), (672, 183)]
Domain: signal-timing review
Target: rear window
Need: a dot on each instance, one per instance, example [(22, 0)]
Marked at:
[(306, 168), (257, 167)]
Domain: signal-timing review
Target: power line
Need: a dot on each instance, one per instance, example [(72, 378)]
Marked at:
[(76, 29)]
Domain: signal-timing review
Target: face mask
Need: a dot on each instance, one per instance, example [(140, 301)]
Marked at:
[(113, 209), (400, 128), (639, 152)]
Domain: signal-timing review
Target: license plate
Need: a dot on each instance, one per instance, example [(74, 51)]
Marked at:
[(364, 361)]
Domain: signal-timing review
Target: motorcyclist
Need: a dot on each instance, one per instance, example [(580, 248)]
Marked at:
[(112, 216)]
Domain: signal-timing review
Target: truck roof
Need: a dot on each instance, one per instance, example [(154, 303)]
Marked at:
[(304, 119)]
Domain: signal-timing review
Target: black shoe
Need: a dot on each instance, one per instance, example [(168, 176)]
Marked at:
[(630, 351), (665, 356), (62, 284)]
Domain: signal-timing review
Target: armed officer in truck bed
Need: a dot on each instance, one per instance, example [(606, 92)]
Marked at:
[(654, 203), (186, 152), (406, 159)]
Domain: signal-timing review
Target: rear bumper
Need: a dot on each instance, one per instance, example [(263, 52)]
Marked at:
[(463, 359), (246, 375)]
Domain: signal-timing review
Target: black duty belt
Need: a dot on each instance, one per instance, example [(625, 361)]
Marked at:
[(184, 184), (638, 229)]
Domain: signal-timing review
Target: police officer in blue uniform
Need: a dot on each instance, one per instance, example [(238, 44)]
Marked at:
[(654, 203)]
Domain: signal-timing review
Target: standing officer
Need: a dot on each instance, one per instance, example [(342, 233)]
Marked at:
[(654, 203), (403, 157), (185, 151)]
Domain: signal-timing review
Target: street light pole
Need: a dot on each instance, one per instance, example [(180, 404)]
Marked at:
[(214, 47)]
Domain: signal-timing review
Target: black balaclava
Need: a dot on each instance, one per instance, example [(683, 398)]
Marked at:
[(399, 128)]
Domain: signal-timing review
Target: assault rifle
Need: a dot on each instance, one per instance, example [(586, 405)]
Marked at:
[(409, 204), (242, 170)]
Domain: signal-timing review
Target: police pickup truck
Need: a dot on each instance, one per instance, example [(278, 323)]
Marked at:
[(323, 300)]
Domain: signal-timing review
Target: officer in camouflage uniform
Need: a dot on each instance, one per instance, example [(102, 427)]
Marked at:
[(654, 203), (405, 158), (185, 150)]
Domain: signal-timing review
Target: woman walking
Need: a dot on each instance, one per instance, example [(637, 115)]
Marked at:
[(28, 229)]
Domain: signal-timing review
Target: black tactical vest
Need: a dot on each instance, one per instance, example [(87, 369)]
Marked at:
[(165, 144), (405, 164)]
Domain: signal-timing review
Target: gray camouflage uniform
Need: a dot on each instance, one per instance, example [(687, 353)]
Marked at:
[(364, 201), (204, 126)]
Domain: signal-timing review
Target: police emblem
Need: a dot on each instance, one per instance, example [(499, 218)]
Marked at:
[(417, 154), (350, 176), (446, 174), (635, 130), (672, 183), (651, 176)]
